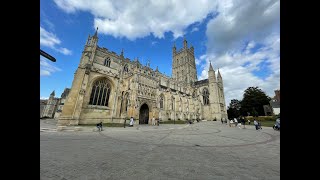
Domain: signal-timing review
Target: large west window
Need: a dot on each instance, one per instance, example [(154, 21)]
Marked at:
[(100, 93)]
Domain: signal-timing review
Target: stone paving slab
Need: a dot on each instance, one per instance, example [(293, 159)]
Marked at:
[(205, 150)]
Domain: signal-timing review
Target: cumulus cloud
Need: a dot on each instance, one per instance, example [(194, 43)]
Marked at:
[(240, 20), (137, 19), (195, 29), (64, 51), (237, 68), (240, 38), (50, 40), (46, 67)]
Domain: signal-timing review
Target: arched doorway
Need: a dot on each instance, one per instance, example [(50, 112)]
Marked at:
[(144, 114)]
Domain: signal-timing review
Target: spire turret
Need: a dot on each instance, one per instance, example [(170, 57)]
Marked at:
[(96, 33), (219, 75), (210, 67)]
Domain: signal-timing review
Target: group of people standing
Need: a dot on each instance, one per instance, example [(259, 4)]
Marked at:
[(237, 122), (241, 121), (155, 122)]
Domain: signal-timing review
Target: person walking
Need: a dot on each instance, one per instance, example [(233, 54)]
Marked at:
[(256, 124), (259, 125), (153, 121), (235, 122), (249, 121), (243, 122), (131, 121), (99, 126)]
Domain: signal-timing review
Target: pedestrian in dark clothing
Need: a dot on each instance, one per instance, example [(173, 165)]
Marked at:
[(256, 124), (259, 125), (99, 126)]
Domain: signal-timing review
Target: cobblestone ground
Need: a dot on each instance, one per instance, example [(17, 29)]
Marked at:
[(205, 150)]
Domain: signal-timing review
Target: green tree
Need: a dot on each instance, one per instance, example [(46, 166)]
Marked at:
[(253, 101), (234, 109)]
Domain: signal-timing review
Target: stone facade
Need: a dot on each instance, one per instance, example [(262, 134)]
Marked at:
[(61, 102), (111, 88), (43, 103)]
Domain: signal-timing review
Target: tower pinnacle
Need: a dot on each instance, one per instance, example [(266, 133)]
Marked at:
[(96, 33), (210, 68)]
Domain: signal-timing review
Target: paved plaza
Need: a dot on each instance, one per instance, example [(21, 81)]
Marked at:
[(204, 150)]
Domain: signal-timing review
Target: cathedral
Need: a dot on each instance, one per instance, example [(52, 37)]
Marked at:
[(108, 87)]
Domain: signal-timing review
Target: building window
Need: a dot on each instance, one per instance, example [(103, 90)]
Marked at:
[(125, 68), (100, 93), (205, 96), (107, 62), (161, 101), (126, 101)]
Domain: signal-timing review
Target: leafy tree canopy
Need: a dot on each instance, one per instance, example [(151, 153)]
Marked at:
[(253, 101)]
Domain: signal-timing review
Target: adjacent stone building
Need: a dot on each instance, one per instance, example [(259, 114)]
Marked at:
[(273, 108), (61, 102), (110, 88), (48, 107), (43, 103)]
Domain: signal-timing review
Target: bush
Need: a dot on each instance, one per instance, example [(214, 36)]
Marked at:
[(215, 119), (169, 119)]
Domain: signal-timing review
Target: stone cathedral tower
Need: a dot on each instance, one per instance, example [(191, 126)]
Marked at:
[(183, 64)]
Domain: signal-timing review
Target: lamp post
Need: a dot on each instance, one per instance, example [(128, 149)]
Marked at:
[(48, 56)]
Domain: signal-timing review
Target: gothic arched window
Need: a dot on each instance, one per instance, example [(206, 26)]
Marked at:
[(161, 101), (100, 93), (125, 68), (126, 101), (205, 95), (107, 62)]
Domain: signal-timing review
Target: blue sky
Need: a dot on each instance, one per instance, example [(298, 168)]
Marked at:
[(239, 37)]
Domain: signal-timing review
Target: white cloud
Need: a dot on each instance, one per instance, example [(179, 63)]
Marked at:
[(233, 36), (237, 77), (195, 29), (65, 51), (240, 20), (50, 40), (43, 98), (46, 67), (137, 19), (153, 43)]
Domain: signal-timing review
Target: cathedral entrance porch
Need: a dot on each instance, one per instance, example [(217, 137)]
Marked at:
[(144, 114)]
